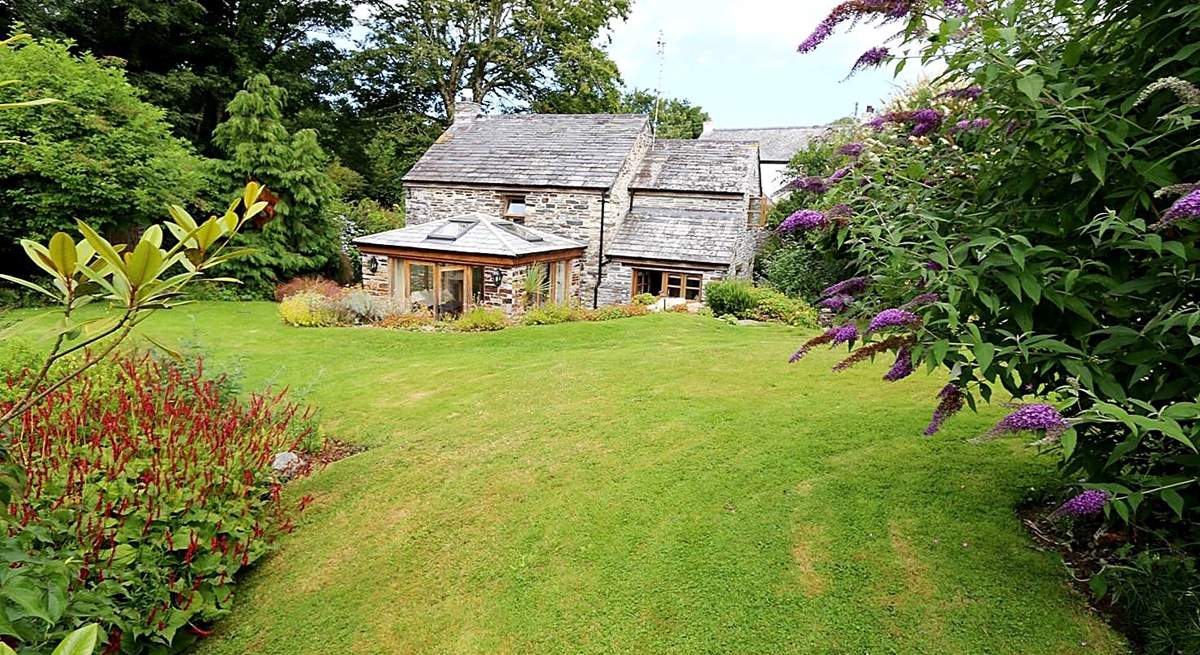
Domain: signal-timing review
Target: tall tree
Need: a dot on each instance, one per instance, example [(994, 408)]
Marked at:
[(102, 154), (298, 236), (191, 56), (675, 118), (511, 52)]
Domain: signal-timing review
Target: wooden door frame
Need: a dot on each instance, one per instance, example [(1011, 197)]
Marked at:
[(438, 267)]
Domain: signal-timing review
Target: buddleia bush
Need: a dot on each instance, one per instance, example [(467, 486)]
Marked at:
[(1028, 224)]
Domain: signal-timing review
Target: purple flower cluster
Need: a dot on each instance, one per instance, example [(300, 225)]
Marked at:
[(972, 124), (811, 184), (1038, 416), (933, 266), (851, 149), (1088, 503), (854, 10), (851, 286), (969, 93), (870, 59), (843, 334), (1184, 208), (839, 174), (805, 219), (837, 303), (922, 299), (950, 401), (922, 121), (890, 318), (840, 210), (903, 366)]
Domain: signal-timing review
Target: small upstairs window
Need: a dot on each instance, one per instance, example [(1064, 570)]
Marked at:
[(514, 208)]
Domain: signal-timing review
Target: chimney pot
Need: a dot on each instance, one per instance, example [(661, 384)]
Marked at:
[(466, 111)]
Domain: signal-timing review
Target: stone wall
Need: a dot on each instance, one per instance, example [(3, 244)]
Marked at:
[(659, 199), (378, 283)]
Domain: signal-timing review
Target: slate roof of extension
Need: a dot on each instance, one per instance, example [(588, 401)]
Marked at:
[(679, 235), (777, 144), (476, 234), (704, 166), (580, 151)]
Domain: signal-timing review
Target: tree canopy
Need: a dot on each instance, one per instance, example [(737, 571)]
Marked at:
[(102, 154)]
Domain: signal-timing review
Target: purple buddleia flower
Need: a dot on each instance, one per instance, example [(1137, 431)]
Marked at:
[(972, 124), (851, 149), (878, 121), (1088, 503), (1034, 417), (890, 318), (903, 366), (969, 93), (869, 59), (950, 401), (957, 6), (927, 116), (921, 129), (844, 334), (886, 10), (805, 219), (933, 266), (839, 174), (852, 286), (837, 303), (1184, 208), (923, 299), (811, 184), (840, 210)]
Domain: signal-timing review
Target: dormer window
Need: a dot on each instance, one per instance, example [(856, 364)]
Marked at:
[(514, 208)]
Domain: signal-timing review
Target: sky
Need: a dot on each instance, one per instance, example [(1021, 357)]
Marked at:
[(738, 60)]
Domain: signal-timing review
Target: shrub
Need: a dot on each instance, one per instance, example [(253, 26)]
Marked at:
[(611, 312), (1159, 597), (310, 309), (408, 321), (729, 297), (481, 319), (800, 269), (361, 308), (551, 315), (771, 305), (644, 299), (139, 521), (312, 283)]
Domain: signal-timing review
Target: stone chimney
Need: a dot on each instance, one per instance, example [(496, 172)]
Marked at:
[(706, 128), (466, 111)]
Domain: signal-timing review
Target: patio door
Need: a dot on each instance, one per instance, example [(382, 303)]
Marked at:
[(452, 289)]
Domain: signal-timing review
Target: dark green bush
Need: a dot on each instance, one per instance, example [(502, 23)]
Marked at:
[(800, 269), (729, 297), (1159, 600)]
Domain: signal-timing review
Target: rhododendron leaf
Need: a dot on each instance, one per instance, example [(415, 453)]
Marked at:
[(62, 253), (28, 285), (80, 642)]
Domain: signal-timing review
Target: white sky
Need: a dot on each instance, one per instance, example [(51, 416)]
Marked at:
[(738, 60)]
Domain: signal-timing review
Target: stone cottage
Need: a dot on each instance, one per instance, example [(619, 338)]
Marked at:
[(777, 146), (592, 207)]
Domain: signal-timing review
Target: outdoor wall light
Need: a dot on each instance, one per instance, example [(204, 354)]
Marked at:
[(373, 264)]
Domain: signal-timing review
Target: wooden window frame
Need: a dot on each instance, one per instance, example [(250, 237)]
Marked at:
[(438, 267), (519, 219), (666, 286)]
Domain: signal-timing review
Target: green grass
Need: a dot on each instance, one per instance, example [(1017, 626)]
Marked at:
[(664, 484)]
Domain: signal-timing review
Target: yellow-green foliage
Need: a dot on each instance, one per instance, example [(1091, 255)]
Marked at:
[(309, 309), (552, 314), (481, 319), (620, 311), (771, 305)]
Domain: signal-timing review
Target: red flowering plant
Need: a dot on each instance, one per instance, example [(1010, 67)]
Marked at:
[(145, 491), (1029, 223)]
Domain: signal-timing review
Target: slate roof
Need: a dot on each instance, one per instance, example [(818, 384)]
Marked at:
[(583, 151), (483, 235), (698, 166), (776, 145), (682, 235)]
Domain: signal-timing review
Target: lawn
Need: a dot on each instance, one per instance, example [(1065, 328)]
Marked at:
[(659, 484)]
